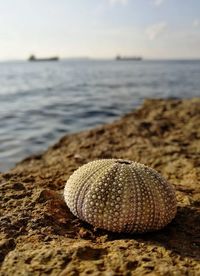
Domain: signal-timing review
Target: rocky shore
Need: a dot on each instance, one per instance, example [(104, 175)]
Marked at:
[(39, 235)]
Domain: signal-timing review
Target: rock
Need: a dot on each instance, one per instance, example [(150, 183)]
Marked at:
[(39, 235)]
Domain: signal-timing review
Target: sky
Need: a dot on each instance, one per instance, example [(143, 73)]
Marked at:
[(100, 28)]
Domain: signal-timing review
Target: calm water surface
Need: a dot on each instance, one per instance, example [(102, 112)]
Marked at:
[(40, 102)]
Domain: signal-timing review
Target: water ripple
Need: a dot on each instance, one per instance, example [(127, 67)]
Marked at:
[(42, 101)]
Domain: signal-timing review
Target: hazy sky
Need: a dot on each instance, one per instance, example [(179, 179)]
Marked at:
[(100, 28)]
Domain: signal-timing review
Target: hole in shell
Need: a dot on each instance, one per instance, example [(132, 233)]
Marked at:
[(127, 162)]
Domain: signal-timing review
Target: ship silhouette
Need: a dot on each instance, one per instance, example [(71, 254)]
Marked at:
[(137, 58), (33, 58)]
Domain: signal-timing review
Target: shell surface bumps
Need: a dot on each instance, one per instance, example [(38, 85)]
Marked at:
[(120, 196)]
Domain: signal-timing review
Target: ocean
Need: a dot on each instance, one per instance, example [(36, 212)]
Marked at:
[(42, 101)]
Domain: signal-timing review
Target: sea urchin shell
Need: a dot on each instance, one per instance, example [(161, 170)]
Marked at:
[(120, 196)]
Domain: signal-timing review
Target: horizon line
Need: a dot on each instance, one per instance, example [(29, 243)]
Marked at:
[(104, 58)]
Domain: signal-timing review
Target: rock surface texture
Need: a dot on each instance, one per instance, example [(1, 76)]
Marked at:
[(40, 236)]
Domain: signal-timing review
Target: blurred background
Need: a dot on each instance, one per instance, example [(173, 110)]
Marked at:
[(66, 66)]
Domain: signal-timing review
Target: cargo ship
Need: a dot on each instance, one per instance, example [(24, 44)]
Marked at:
[(33, 58), (134, 58)]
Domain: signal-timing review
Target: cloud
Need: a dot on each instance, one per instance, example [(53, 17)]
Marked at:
[(196, 23), (158, 2), (113, 2), (156, 30)]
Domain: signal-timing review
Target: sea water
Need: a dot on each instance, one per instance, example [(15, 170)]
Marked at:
[(41, 101)]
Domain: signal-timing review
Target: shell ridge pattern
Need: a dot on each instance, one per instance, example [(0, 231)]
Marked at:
[(166, 202), (157, 202), (129, 200), (150, 199), (74, 188), (119, 195), (134, 179), (84, 189), (169, 201), (161, 200), (139, 217), (104, 193), (106, 202), (154, 206), (93, 204), (70, 191)]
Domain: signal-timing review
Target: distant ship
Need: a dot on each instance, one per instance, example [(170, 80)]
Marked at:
[(33, 58), (136, 58)]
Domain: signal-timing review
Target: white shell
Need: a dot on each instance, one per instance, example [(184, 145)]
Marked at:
[(120, 196)]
